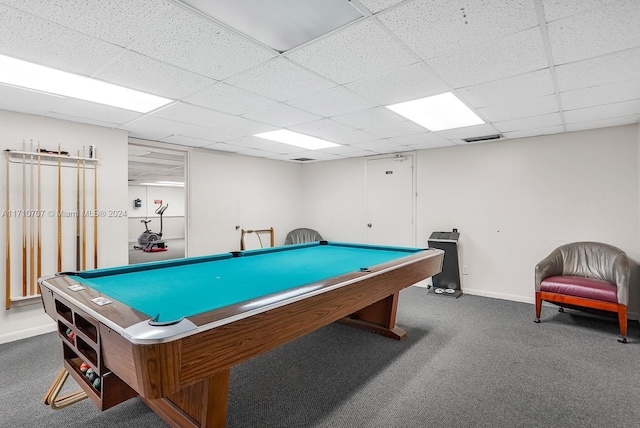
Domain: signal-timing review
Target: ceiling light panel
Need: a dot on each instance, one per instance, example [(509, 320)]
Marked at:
[(197, 44), (438, 113), (434, 28), (296, 139), (358, 52), (282, 24), (32, 76)]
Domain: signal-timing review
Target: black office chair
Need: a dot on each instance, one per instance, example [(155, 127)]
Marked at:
[(302, 235)]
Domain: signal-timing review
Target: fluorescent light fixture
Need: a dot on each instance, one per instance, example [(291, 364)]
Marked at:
[(437, 113), (164, 183), (280, 24), (296, 139), (32, 76)]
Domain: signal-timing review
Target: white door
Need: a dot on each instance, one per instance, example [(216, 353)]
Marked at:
[(390, 197)]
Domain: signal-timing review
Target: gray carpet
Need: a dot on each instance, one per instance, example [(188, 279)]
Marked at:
[(470, 362)]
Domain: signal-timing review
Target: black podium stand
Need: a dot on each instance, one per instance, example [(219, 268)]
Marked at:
[(447, 282)]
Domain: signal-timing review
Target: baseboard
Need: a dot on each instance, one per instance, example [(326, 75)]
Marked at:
[(24, 334), (502, 296)]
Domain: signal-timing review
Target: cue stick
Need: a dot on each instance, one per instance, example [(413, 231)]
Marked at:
[(31, 225), (7, 300), (95, 210), (59, 212), (78, 212), (39, 255), (24, 222), (84, 208)]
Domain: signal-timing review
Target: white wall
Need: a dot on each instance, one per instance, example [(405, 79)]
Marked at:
[(227, 190), (25, 321), (173, 218), (512, 201)]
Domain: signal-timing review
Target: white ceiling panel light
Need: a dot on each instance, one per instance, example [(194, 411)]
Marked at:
[(280, 24), (438, 113), (36, 77), (296, 139)]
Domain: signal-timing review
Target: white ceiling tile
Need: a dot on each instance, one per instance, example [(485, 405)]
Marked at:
[(509, 56), (431, 144), (282, 115), (534, 132), (27, 101), (380, 146), (508, 90), (355, 136), (280, 80), (514, 110), (436, 27), (603, 123), (230, 130), (155, 128), (376, 6), (222, 147), (264, 145), (146, 74), (369, 118), (246, 151), (332, 102), (603, 94), (317, 155), (42, 42), (186, 141), (360, 51), (608, 111), (409, 83), (229, 99), (542, 121), (557, 9), (194, 115), (94, 111), (598, 32), (610, 68), (192, 42), (325, 128), (468, 132), (116, 21), (422, 140), (347, 151), (397, 129), (76, 119)]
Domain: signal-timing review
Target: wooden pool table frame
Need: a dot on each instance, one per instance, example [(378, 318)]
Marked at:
[(186, 380)]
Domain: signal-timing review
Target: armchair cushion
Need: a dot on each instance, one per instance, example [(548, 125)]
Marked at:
[(577, 286)]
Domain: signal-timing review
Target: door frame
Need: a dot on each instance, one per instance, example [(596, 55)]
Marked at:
[(414, 195)]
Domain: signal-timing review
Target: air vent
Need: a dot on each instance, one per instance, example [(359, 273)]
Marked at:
[(303, 159), (483, 138)]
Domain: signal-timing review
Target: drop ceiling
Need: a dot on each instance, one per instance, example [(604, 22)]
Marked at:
[(527, 67)]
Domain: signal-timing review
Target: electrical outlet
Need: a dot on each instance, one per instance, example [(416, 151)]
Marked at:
[(465, 270)]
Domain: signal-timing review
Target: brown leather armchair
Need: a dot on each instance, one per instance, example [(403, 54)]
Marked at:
[(585, 274)]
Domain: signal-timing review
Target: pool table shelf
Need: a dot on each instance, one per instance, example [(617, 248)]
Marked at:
[(85, 347)]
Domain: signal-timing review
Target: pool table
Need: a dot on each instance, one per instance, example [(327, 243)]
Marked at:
[(170, 331)]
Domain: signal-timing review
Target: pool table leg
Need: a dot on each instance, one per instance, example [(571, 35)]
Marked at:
[(379, 317), (201, 405)]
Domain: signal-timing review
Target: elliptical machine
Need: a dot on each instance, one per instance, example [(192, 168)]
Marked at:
[(149, 241)]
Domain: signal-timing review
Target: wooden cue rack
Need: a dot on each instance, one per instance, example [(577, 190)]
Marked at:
[(37, 183)]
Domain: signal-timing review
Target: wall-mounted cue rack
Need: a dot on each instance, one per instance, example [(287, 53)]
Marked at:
[(48, 196)]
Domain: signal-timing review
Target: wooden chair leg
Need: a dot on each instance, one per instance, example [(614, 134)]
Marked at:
[(538, 306), (622, 321)]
